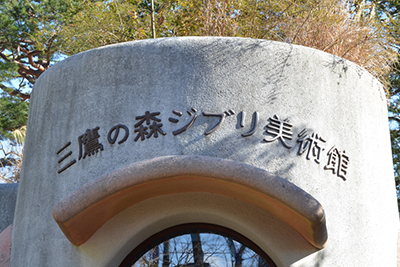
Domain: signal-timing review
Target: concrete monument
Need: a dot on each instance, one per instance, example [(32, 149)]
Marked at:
[(284, 145)]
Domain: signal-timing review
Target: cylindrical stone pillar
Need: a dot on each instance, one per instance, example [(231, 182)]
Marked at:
[(286, 145)]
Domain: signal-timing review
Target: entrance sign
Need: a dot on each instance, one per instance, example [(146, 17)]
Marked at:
[(284, 145), (281, 130)]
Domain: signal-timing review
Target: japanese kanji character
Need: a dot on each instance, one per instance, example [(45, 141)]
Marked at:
[(311, 143), (142, 133), (147, 117), (187, 126), (90, 143), (69, 164), (221, 116), (155, 127), (254, 123), (337, 162), (280, 130), (115, 129)]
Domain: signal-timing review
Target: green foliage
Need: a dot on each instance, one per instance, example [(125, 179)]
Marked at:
[(28, 44), (99, 23), (394, 123), (13, 115), (388, 13), (27, 35)]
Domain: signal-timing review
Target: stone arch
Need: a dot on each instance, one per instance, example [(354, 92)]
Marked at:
[(82, 213)]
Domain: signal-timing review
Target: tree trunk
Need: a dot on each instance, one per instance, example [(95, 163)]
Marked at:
[(153, 26), (197, 250), (165, 254)]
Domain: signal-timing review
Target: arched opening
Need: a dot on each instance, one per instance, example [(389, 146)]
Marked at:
[(197, 245), (82, 213)]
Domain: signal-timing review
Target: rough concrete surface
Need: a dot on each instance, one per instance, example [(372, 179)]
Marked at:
[(332, 110), (398, 248), (5, 246), (8, 200)]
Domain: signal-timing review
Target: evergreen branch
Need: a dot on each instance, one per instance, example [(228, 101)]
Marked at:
[(31, 54), (395, 92), (27, 70), (15, 93), (4, 56), (31, 79), (49, 44), (395, 119), (27, 41)]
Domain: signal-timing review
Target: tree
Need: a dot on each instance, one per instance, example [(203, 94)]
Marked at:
[(200, 249), (99, 23), (13, 115), (351, 31), (28, 47), (390, 10)]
